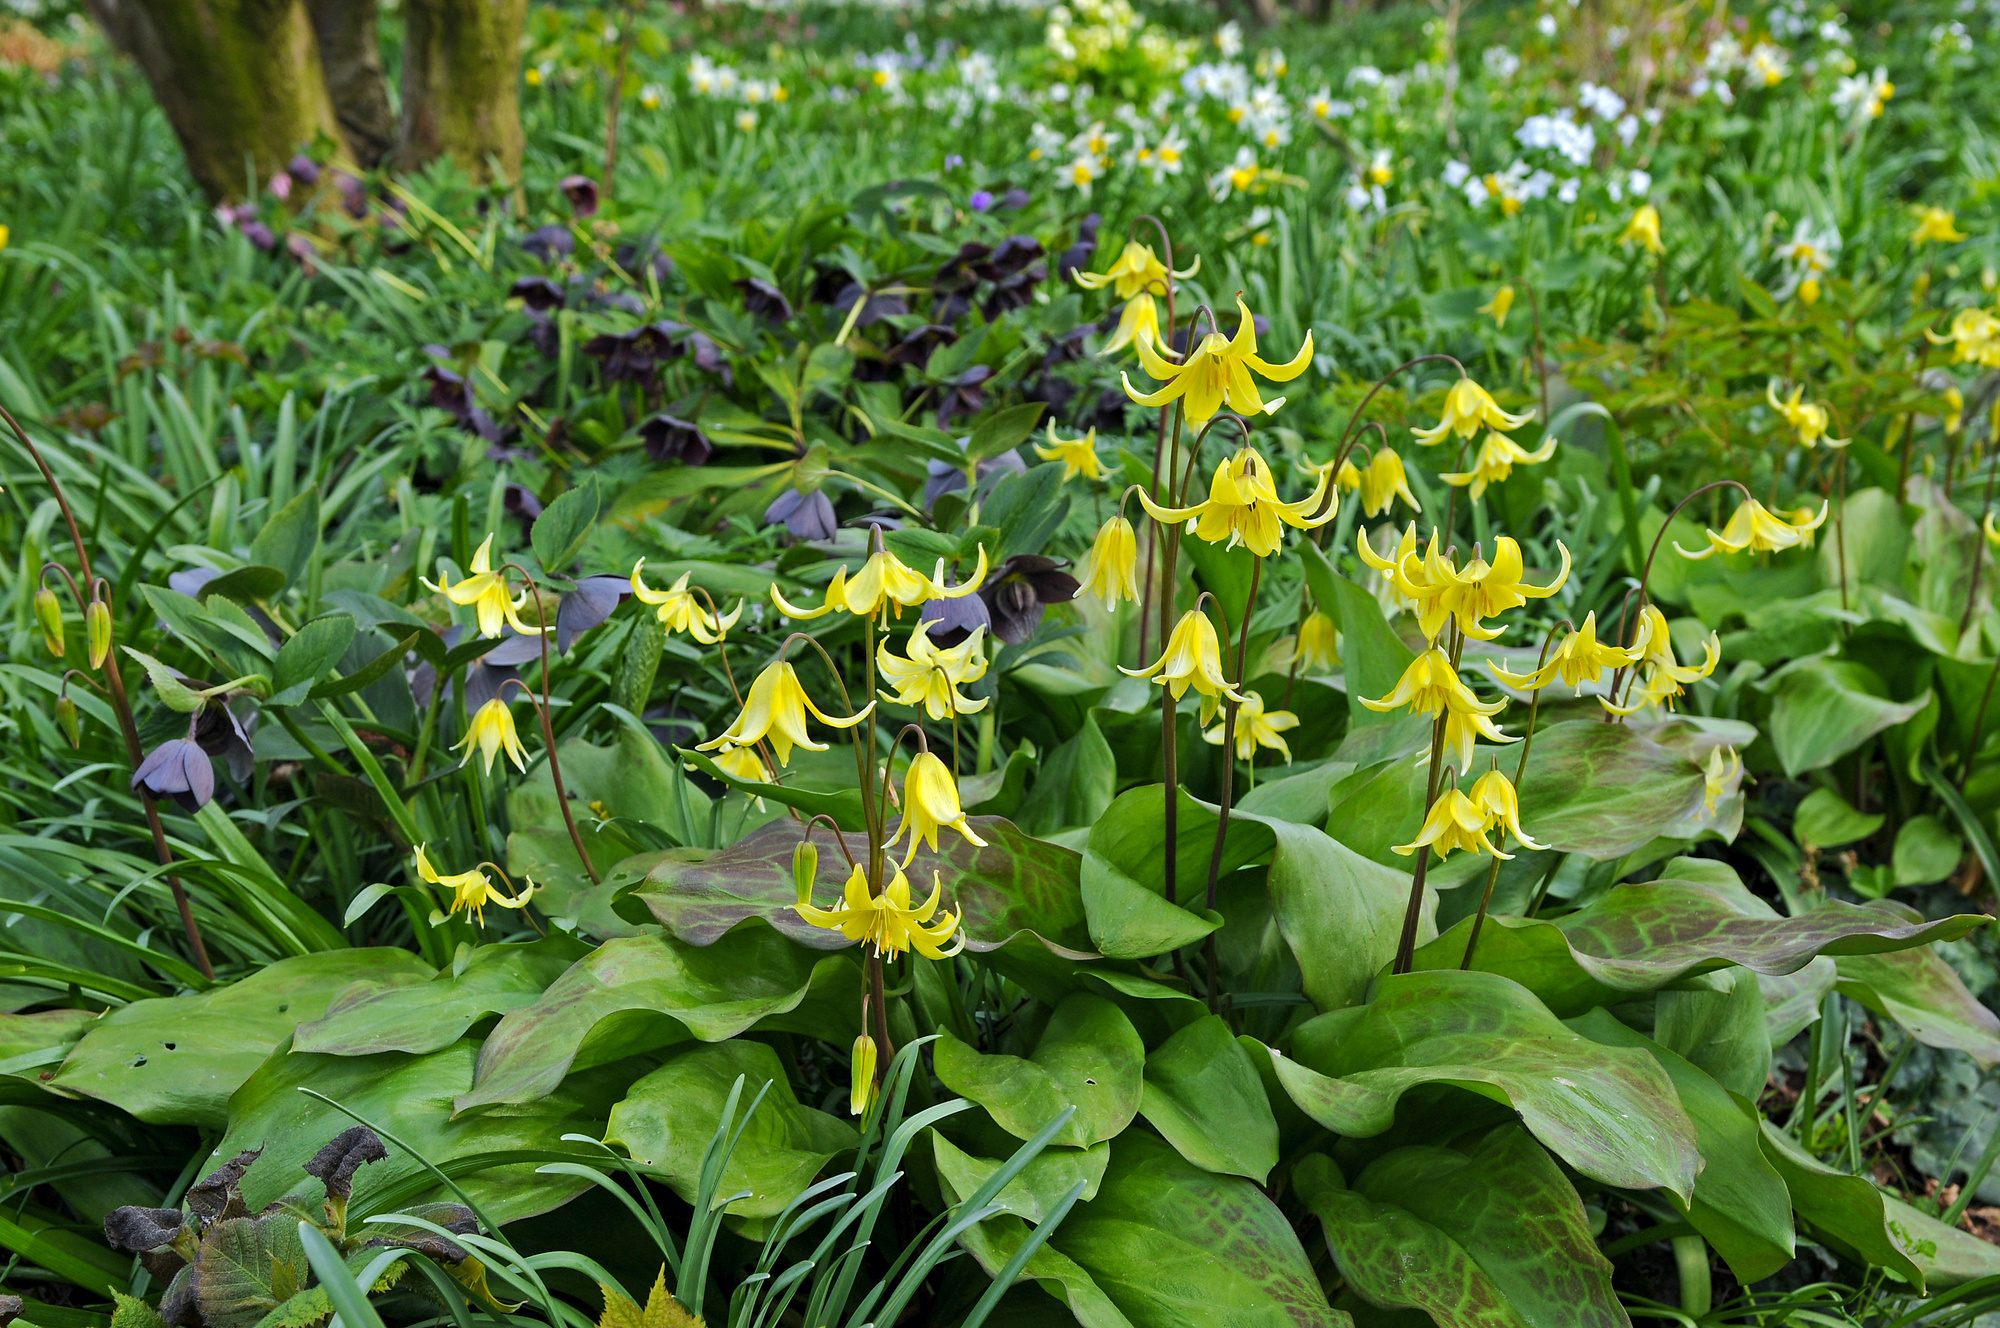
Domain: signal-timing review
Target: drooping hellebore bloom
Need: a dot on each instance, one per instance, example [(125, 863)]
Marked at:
[(1498, 456), (1752, 526), (1644, 230), (472, 891), (486, 591), (179, 769), (1455, 822), (1078, 455), (1136, 276), (1384, 482), (592, 600), (887, 921), (1218, 371), (1255, 727), (930, 676), (1431, 686), (1193, 658), (1493, 793), (930, 803), (492, 732), (1936, 225), (680, 610), (1468, 406), (807, 516), (1581, 658), (1020, 592), (1243, 506), (776, 709), (1110, 570)]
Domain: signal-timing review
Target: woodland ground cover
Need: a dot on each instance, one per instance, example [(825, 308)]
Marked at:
[(1251, 674)]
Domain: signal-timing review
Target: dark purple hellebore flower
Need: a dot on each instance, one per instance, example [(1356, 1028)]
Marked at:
[(218, 734), (764, 300), (637, 259), (981, 200), (1020, 589), (964, 395), (915, 350), (581, 191), (1079, 254), (549, 243), (594, 599), (1108, 414), (878, 307), (952, 620), (708, 357), (353, 194), (538, 293), (807, 516), (179, 769), (634, 356), (1014, 199), (669, 438), (519, 501), (303, 169), (258, 234)]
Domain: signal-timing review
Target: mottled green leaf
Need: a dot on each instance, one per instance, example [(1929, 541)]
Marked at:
[(1923, 993), (1846, 1212), (1609, 1112), (1204, 1097), (1037, 1190), (1603, 790), (1341, 914), (1089, 1057), (425, 1016), (1717, 1021)]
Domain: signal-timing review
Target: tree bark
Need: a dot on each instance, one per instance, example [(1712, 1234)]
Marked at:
[(351, 61), (461, 86), (239, 80)]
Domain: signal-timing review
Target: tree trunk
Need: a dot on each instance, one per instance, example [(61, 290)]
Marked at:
[(352, 65), (461, 86), (239, 80)]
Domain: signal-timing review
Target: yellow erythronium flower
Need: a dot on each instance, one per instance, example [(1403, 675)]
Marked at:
[(1480, 589), (930, 676), (1502, 301), (930, 802), (1644, 230), (741, 763), (1140, 322), (861, 1069), (1193, 658), (1665, 676), (1808, 419), (887, 921), (1992, 531), (471, 891), (776, 709), (1217, 371), (1243, 506), (1347, 479), (1256, 727), (1954, 415), (1110, 571), (835, 598), (1467, 406), (492, 732), (486, 591), (1384, 482), (1754, 527), (680, 610), (1581, 658), (1974, 337), (1498, 456), (1136, 276), (1455, 822), (1078, 455), (1936, 225), (1319, 643), (1431, 686), (1493, 793), (884, 578), (1724, 764)]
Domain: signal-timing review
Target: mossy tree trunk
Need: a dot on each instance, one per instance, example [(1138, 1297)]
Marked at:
[(461, 86), (351, 61)]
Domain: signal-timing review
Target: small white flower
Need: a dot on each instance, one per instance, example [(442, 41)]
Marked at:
[(746, 120), (1455, 174), (1546, 25), (1229, 40)]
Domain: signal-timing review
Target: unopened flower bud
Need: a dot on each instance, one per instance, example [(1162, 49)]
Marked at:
[(48, 613), (66, 720), (97, 626), (863, 1069), (805, 869)]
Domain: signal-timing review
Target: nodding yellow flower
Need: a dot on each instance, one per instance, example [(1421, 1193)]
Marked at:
[(1319, 642), (486, 591), (1243, 506), (1078, 455), (1498, 456), (1581, 658), (97, 629), (1347, 479), (1467, 406), (471, 891), (930, 676), (48, 616), (1431, 686), (861, 1070), (1110, 571), (776, 709), (492, 732), (930, 803), (1217, 371), (1665, 676), (1992, 531), (1936, 225), (1954, 415), (1255, 727), (887, 921), (1455, 822), (1136, 276), (1974, 336), (1439, 590), (1498, 306), (680, 611), (741, 763), (884, 578), (1644, 230), (1493, 793), (1754, 527), (835, 598), (1717, 774), (1193, 658), (1384, 482), (1808, 419)]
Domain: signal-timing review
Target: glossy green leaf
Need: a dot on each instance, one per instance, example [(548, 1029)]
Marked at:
[(1341, 914), (1924, 994), (1073, 784), (993, 1242), (1609, 1112), (419, 1017), (1203, 1095), (1123, 875), (1603, 790), (1033, 1194), (1378, 807), (1173, 1246), (1844, 1211), (314, 649), (175, 1061), (1926, 851), (563, 526), (668, 1118), (1823, 709), (1826, 820), (1300, 797), (1089, 1057), (290, 538), (1717, 1022), (641, 993)]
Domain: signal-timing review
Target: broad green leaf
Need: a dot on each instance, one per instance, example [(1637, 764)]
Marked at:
[(640, 993), (419, 1017), (563, 526), (993, 1242), (1203, 1095), (1373, 655), (1603, 790), (1089, 1057), (1949, 1257), (1717, 1022), (1034, 1193), (1003, 430), (1173, 1246), (1341, 914), (1378, 807), (1301, 797), (1123, 877), (249, 584), (1846, 1212), (314, 649), (1925, 852), (1609, 1112), (289, 539), (1073, 784), (493, 1155), (1015, 885), (1823, 709), (175, 1061), (1826, 820), (668, 1118), (1493, 1237), (1923, 993), (1740, 1205)]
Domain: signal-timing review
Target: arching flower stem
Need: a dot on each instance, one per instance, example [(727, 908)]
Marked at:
[(548, 728), (1353, 421), (1406, 945), (1646, 574), (1228, 756)]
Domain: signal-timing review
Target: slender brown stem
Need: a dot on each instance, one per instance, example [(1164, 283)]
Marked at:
[(878, 1003), (1229, 762), (1383, 382), (1978, 552), (548, 728), (121, 705)]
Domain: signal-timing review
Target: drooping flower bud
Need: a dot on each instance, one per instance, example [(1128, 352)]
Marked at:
[(97, 625), (66, 720), (862, 1093), (48, 614), (805, 869)]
